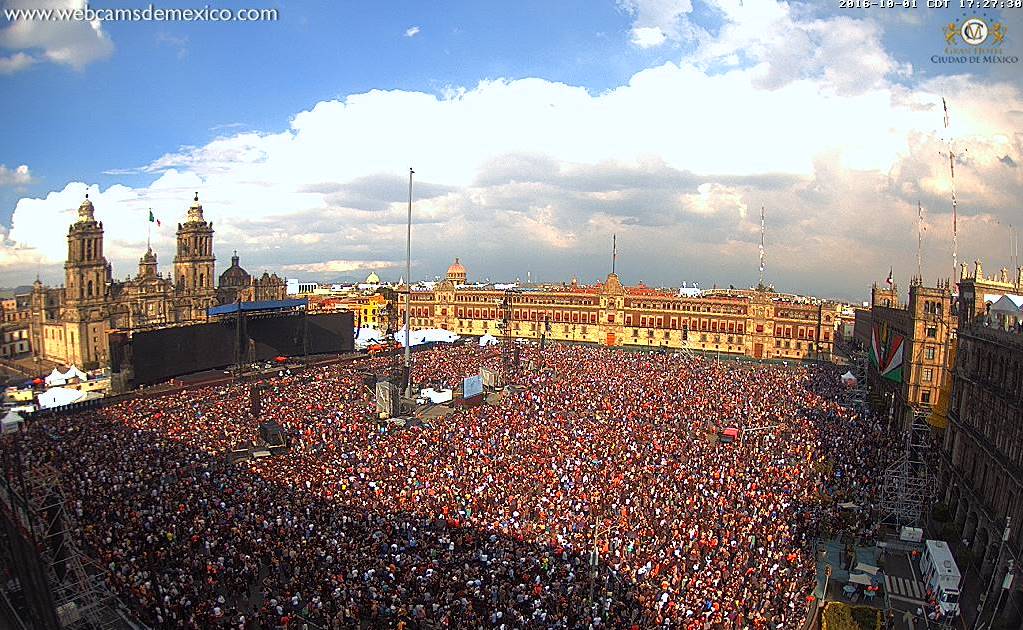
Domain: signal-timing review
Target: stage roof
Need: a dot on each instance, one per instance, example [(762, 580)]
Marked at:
[(247, 307)]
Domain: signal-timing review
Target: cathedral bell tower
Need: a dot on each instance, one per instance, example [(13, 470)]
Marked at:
[(194, 262), (86, 272)]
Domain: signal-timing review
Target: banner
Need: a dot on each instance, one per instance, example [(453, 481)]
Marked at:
[(886, 352)]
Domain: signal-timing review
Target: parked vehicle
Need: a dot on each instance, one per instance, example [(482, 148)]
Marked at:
[(941, 576)]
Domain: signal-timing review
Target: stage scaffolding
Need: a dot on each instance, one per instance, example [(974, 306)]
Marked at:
[(858, 396), (57, 585), (907, 482)]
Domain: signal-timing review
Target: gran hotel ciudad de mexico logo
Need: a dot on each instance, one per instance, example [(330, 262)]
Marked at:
[(977, 39)]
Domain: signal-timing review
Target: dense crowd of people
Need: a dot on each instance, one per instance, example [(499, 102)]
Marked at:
[(595, 493)]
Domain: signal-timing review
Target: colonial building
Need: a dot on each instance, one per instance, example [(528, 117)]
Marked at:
[(69, 324), (757, 324), (237, 285), (909, 346), (981, 462)]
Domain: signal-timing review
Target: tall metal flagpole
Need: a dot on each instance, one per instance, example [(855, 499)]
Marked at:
[(408, 289), (952, 174), (919, 240), (614, 251), (761, 285)]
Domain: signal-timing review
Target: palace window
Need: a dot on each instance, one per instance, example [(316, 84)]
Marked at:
[(932, 332), (925, 397), (929, 353), (928, 375)]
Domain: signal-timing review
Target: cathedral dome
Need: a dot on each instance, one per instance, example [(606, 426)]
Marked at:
[(234, 276), (372, 278), (456, 272)]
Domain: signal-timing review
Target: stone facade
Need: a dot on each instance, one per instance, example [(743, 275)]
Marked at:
[(69, 324), (756, 324), (981, 463), (236, 284), (927, 325)]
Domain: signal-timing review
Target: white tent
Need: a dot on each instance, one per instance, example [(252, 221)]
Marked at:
[(59, 396), (426, 335), (365, 337), (1008, 304), (11, 422), (436, 396), (848, 379), (488, 340), (57, 377)]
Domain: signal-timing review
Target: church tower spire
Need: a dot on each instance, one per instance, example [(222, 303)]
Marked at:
[(194, 262), (194, 265), (86, 272)]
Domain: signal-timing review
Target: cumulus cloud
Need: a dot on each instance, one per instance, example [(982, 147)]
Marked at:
[(71, 43), (15, 62), (658, 21), (340, 266), (412, 31), (15, 176), (677, 161)]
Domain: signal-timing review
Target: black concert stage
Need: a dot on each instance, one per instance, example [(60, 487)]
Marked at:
[(238, 339)]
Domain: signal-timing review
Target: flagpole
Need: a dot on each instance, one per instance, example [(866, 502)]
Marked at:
[(919, 240), (408, 288), (149, 230), (614, 251), (761, 247), (952, 176)]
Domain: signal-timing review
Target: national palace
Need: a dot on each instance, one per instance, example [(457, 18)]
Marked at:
[(760, 324)]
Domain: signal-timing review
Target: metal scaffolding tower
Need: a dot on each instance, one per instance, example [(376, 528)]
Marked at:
[(858, 396), (59, 586), (907, 482)]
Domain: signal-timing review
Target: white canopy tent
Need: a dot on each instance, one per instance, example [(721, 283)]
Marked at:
[(1008, 309), (56, 377), (488, 340), (59, 396), (11, 422), (436, 396), (365, 337), (426, 335), (848, 379)]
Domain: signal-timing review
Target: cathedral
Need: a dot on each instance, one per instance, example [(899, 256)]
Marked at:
[(69, 325)]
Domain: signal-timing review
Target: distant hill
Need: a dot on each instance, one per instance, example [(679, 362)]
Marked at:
[(21, 290)]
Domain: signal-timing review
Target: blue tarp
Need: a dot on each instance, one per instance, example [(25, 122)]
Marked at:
[(266, 305)]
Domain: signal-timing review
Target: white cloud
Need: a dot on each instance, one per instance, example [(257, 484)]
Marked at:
[(340, 266), (672, 161), (67, 42), (412, 31), (657, 21), (15, 62), (16, 176), (648, 36)]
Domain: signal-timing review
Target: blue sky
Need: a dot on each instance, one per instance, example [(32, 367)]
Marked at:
[(156, 95)]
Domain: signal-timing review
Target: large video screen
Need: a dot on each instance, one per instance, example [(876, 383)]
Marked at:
[(159, 355)]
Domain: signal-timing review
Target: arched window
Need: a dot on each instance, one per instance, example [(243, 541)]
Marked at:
[(202, 280), (89, 290)]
